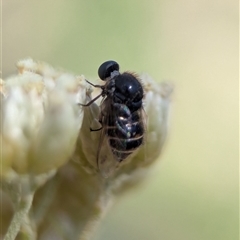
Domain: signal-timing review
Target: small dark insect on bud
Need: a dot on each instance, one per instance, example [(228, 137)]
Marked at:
[(121, 116)]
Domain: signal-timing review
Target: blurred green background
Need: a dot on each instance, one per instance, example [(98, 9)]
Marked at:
[(192, 193)]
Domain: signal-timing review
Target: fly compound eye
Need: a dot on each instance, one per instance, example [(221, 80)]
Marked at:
[(107, 68)]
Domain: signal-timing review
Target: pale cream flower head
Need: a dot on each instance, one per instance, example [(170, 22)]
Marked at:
[(41, 121), (40, 118), (46, 141)]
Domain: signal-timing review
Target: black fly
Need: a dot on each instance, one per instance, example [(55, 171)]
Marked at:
[(122, 125)]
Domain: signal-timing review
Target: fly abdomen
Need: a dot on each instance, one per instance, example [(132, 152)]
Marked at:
[(122, 148), (125, 135)]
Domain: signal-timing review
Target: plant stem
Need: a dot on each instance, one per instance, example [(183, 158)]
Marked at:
[(19, 217)]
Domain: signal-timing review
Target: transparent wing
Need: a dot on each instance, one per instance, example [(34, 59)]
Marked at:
[(106, 161), (144, 119)]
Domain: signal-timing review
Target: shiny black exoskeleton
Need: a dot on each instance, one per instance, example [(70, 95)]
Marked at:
[(121, 110)]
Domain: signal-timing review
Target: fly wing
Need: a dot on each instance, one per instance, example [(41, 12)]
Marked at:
[(106, 161), (109, 157), (144, 119)]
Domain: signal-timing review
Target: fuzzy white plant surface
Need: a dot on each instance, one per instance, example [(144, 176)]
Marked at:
[(51, 187)]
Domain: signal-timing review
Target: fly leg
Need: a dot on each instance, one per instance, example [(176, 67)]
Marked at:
[(93, 100), (98, 129)]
